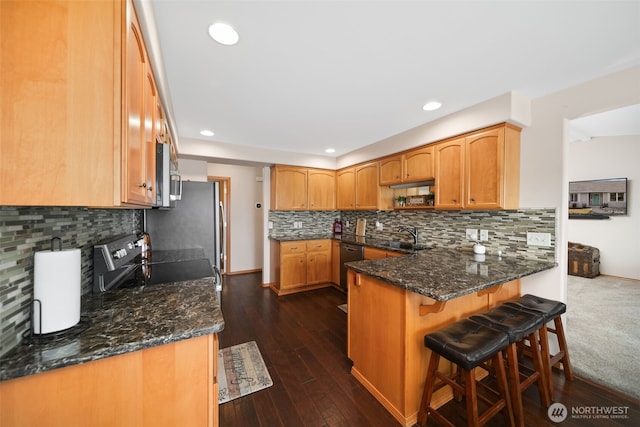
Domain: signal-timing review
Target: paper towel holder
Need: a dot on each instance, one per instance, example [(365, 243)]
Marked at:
[(53, 239)]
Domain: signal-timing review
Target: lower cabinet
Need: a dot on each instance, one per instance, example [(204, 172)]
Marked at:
[(376, 253), (168, 385), (302, 265)]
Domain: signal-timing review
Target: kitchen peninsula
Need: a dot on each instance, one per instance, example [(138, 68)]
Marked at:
[(141, 355), (394, 302)]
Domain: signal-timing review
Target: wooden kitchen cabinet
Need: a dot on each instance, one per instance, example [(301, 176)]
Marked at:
[(302, 265), (376, 253), (335, 262), (449, 174), (321, 189), (413, 166), (73, 105), (479, 171), (358, 189), (346, 189), (318, 261), (171, 384), (298, 188)]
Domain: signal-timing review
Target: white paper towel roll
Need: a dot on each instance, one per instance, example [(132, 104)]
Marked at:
[(57, 285)]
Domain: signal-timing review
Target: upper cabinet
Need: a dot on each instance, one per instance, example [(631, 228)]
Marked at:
[(321, 189), (296, 188), (480, 170), (358, 188), (413, 166), (78, 106)]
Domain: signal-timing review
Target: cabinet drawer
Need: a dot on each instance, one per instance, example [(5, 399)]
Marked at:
[(297, 247), (318, 245)]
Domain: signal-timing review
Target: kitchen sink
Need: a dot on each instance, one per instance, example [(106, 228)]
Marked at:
[(403, 245)]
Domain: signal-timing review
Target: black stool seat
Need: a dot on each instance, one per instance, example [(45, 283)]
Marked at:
[(467, 343), (517, 324), (550, 309)]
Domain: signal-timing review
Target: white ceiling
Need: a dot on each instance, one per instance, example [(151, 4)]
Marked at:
[(308, 75)]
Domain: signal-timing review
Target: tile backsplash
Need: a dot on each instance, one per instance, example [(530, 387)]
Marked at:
[(26, 230), (507, 229)]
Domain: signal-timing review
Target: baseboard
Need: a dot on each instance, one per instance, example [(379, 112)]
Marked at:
[(236, 273)]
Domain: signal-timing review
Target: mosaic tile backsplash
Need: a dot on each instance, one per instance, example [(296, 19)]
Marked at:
[(507, 229), (26, 230)]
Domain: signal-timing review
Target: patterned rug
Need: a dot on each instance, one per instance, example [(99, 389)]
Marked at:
[(242, 371)]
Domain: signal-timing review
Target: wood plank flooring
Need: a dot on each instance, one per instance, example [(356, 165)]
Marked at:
[(303, 340)]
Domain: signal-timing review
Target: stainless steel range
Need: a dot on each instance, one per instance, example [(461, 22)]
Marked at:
[(127, 261)]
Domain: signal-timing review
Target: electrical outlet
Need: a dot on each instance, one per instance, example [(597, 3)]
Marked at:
[(270, 225), (484, 235), (472, 234), (379, 226), (346, 224), (538, 239)]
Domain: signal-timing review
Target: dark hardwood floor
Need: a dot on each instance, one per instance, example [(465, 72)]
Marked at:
[(303, 340)]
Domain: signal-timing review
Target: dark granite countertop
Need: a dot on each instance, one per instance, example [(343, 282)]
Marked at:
[(123, 321), (444, 274)]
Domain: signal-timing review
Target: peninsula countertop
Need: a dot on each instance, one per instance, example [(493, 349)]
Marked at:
[(123, 321), (444, 274)]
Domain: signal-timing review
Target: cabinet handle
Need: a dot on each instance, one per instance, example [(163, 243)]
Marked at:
[(455, 200), (473, 200), (150, 189), (143, 185)]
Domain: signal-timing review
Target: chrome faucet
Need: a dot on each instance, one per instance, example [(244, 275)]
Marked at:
[(411, 230)]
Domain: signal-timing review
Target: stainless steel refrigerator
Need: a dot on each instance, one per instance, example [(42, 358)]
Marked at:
[(197, 221)]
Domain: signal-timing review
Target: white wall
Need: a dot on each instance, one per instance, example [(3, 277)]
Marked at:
[(544, 146), (617, 238)]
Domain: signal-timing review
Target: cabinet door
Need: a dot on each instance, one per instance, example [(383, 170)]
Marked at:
[(391, 170), (367, 186), (318, 267), (149, 146), (133, 153), (335, 262), (321, 189), (418, 165), (484, 159), (293, 270), (291, 188), (449, 170), (346, 186), (374, 253)]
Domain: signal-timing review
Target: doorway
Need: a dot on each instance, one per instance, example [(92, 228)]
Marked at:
[(224, 225)]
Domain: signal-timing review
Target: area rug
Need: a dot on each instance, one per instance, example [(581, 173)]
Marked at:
[(241, 371), (343, 307)]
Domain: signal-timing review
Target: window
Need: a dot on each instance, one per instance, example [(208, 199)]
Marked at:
[(616, 197), (573, 197)]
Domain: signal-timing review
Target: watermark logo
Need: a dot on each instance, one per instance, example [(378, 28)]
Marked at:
[(557, 412)]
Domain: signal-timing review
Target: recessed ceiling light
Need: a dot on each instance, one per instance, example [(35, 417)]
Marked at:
[(330, 150), (223, 33), (206, 133), (431, 106)]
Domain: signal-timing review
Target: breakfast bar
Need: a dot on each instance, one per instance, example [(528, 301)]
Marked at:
[(394, 302)]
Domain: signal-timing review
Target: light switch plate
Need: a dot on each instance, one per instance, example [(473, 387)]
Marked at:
[(484, 235), (538, 239), (472, 234)]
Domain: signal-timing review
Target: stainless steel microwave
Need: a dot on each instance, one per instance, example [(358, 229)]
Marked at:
[(168, 180)]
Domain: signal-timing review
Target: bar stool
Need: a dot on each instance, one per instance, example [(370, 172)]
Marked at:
[(550, 310), (519, 325), (467, 344)]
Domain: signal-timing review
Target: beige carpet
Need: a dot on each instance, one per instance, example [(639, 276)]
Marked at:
[(603, 335), (242, 371)]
